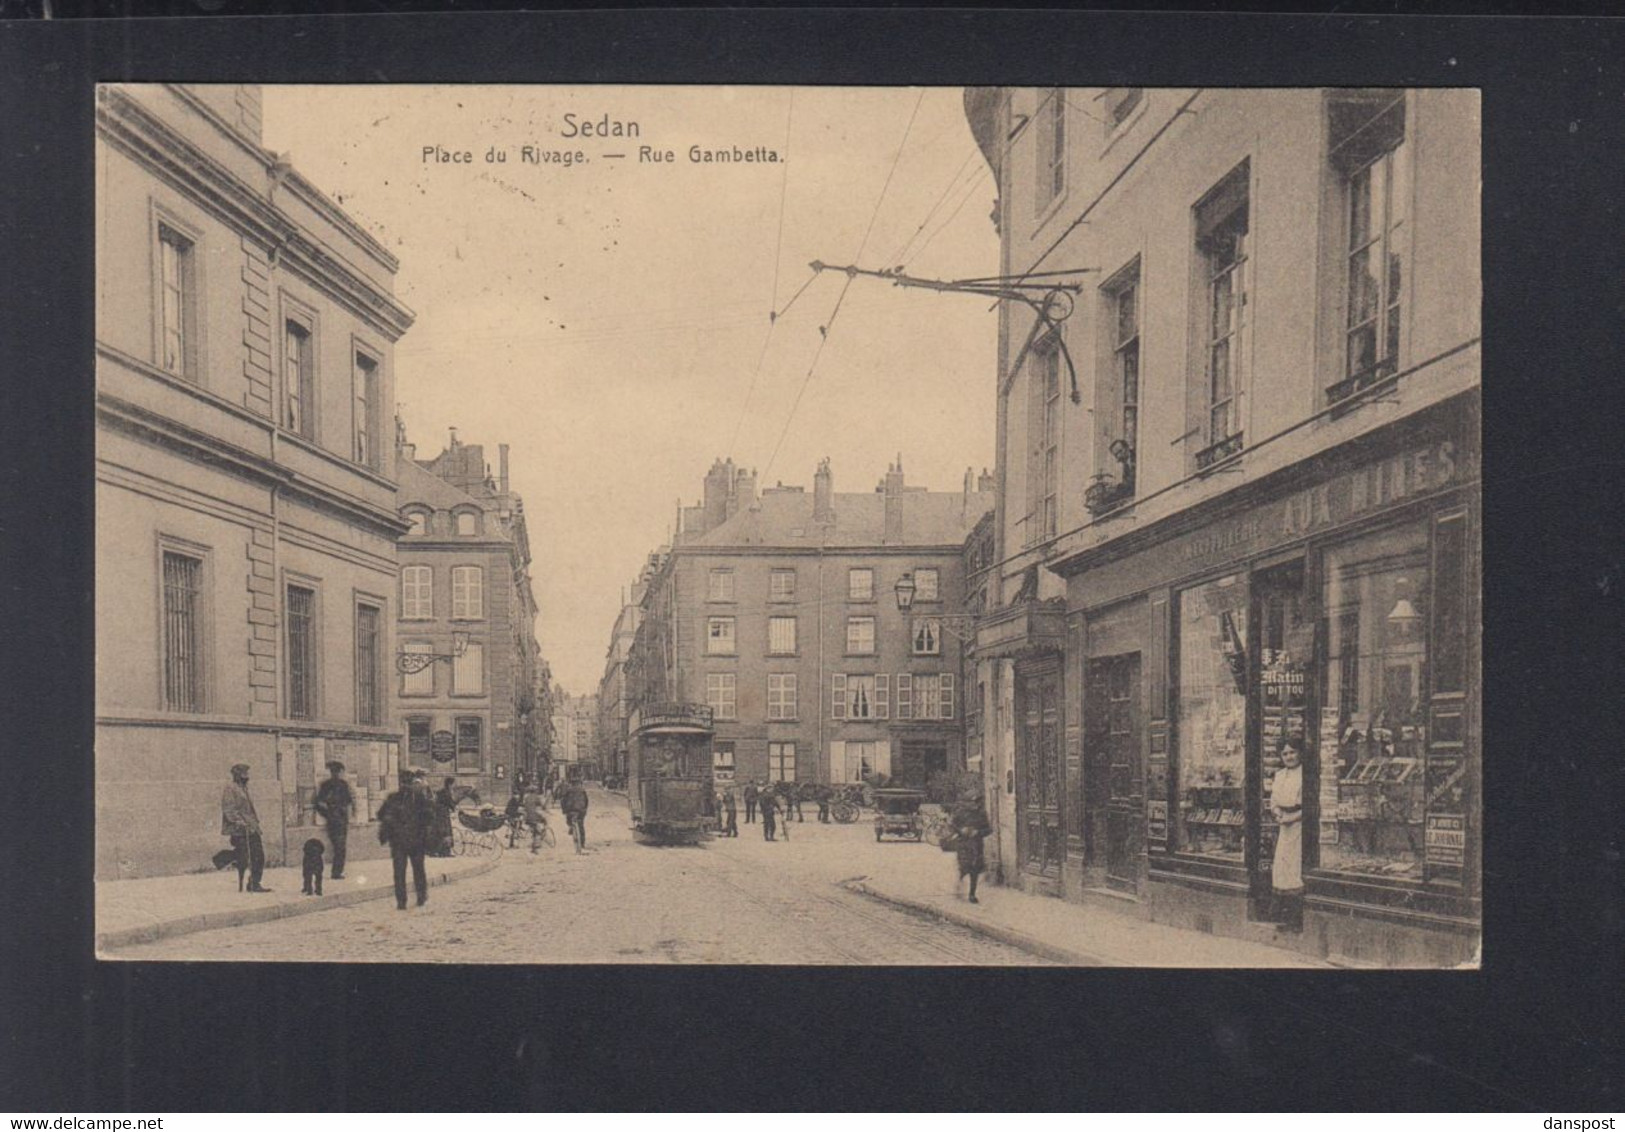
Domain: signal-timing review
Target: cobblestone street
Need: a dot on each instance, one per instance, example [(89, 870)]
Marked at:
[(726, 901)]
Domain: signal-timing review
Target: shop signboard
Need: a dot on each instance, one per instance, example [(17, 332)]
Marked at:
[(443, 746), (1446, 839), (1156, 821)]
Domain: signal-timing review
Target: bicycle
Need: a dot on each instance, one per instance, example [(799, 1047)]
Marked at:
[(578, 831)]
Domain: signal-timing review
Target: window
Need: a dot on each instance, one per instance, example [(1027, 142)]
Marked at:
[(934, 696), (183, 632), (468, 523), (781, 635), (419, 744), (368, 700), (1369, 150), (781, 585), (860, 635), (467, 593), (926, 584), (722, 694), (1051, 146), (417, 592), (176, 298), (468, 671), (1123, 303), (1044, 470), (905, 695), (1212, 717), (1376, 599), (722, 762), (781, 762), (781, 695), (419, 521), (859, 761), (365, 380), (860, 697), (927, 636), (719, 636), (1120, 103), (418, 683), (301, 606), (470, 751), (720, 585), (1221, 240), (860, 584), (298, 380)]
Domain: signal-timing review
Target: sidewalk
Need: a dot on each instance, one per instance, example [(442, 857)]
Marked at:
[(152, 908), (1075, 934)]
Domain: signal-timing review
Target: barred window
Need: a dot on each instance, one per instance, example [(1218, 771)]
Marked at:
[(369, 703), (183, 632), (301, 605)]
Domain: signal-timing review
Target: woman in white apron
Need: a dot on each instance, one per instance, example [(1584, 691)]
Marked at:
[(1286, 873)]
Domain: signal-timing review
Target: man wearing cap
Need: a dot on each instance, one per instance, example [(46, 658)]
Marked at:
[(403, 825), (239, 822), (335, 801)]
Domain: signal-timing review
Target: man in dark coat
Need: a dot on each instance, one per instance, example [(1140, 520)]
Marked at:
[(970, 826), (335, 801), (750, 801), (770, 811), (403, 824), (573, 801), (239, 822)]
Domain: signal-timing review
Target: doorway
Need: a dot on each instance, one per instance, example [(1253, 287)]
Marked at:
[(1279, 707), (1038, 759), (1113, 783)]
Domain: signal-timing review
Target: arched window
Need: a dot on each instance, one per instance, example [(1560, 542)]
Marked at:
[(468, 523), (420, 522)]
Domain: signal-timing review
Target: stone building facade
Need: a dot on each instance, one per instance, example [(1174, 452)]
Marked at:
[(1253, 520), (778, 610), (246, 523), (465, 570)]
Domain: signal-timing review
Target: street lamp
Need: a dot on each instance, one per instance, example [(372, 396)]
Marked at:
[(961, 626), (410, 662)]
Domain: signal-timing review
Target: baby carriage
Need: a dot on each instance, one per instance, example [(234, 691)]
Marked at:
[(477, 833)]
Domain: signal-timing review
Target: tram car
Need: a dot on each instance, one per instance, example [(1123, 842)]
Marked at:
[(669, 777)]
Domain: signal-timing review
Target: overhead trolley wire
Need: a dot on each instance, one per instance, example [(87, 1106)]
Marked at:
[(823, 331), (778, 254)]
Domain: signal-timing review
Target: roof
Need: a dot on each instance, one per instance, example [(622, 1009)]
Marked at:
[(414, 484), (785, 519)]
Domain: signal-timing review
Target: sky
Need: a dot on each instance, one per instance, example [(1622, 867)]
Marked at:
[(609, 319)]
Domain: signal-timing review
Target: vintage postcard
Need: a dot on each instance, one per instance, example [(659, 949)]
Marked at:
[(788, 525)]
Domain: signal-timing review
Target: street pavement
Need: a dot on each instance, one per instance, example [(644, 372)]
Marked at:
[(741, 900)]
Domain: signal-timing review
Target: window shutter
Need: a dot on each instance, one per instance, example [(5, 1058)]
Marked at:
[(905, 696), (838, 704), (947, 695), (837, 760), (883, 757), (882, 696)]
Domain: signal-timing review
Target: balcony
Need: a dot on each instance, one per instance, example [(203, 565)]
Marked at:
[(1215, 454), (1025, 627), (1107, 494), (1351, 391)]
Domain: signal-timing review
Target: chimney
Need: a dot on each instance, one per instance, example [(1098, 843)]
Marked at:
[(714, 507), (986, 482), (453, 431), (502, 465), (823, 493), (744, 489), (893, 491)]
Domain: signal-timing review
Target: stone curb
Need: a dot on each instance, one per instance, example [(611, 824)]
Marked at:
[(237, 917), (1016, 939)]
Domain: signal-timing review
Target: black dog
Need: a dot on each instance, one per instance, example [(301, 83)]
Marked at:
[(313, 866)]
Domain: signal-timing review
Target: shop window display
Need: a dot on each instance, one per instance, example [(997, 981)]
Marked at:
[(1373, 717), (1213, 717)]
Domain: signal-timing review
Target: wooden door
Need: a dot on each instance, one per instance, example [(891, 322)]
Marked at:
[(1038, 758), (1113, 782)]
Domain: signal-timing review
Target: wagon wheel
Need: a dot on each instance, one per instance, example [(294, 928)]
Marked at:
[(491, 846), (459, 842), (844, 812)]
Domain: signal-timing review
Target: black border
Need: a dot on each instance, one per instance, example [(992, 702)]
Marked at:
[(1538, 1029)]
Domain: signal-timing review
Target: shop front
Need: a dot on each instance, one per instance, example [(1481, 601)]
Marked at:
[(1319, 629)]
